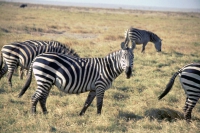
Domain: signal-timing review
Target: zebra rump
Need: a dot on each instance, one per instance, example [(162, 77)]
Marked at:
[(190, 81)]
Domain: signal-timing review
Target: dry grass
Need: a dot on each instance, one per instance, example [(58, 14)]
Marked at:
[(129, 105)]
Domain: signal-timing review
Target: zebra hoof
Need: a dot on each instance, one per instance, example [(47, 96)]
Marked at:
[(188, 120), (81, 114)]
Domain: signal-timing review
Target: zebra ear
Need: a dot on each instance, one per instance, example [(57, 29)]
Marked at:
[(123, 46)]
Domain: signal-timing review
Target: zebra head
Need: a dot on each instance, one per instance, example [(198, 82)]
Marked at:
[(156, 40), (158, 45), (126, 59)]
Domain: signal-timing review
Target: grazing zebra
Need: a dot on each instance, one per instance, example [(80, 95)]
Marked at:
[(190, 81), (77, 75), (142, 37), (23, 5), (22, 54)]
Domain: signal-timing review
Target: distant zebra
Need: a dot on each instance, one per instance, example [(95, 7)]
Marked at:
[(22, 53), (23, 5), (190, 81), (142, 37), (77, 75)]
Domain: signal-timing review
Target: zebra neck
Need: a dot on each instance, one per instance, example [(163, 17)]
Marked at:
[(113, 65), (153, 37)]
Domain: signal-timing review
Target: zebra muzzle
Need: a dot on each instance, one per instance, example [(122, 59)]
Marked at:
[(128, 72)]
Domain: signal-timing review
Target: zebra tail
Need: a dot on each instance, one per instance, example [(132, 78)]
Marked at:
[(28, 81), (169, 85), (126, 41)]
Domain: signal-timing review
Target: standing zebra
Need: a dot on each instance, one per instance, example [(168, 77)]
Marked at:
[(142, 37), (22, 54), (190, 81), (77, 75)]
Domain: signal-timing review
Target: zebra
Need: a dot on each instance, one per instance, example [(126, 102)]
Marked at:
[(77, 75), (42, 43), (142, 37), (23, 5), (22, 54), (190, 81)]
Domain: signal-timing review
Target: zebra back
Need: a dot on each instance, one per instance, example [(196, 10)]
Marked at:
[(53, 44)]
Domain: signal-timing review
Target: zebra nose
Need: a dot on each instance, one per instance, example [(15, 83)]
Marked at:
[(128, 72)]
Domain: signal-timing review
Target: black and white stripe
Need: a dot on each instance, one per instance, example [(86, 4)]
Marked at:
[(45, 43), (190, 81), (22, 53), (142, 37), (78, 75)]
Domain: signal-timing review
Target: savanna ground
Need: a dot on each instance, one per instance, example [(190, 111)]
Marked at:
[(130, 105)]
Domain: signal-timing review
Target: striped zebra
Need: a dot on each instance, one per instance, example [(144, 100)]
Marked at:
[(190, 81), (142, 37), (77, 75), (42, 43), (22, 54)]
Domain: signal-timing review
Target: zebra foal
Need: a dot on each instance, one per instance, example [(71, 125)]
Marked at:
[(142, 37), (190, 81), (22, 53), (77, 75)]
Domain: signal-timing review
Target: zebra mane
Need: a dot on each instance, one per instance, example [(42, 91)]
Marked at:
[(113, 53), (72, 52), (153, 36), (67, 49)]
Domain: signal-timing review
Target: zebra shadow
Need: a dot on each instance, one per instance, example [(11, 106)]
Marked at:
[(178, 54), (164, 114), (129, 116), (2, 91)]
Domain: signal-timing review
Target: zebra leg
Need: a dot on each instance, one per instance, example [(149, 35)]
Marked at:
[(143, 47), (34, 101), (10, 78), (186, 105), (3, 71), (42, 101), (100, 96), (88, 101), (39, 96), (21, 73), (189, 105)]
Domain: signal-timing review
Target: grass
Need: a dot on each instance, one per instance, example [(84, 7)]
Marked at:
[(129, 105)]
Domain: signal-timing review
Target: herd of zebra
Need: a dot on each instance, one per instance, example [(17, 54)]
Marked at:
[(56, 64)]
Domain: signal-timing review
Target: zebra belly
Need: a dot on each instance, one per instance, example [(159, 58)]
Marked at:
[(72, 90)]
